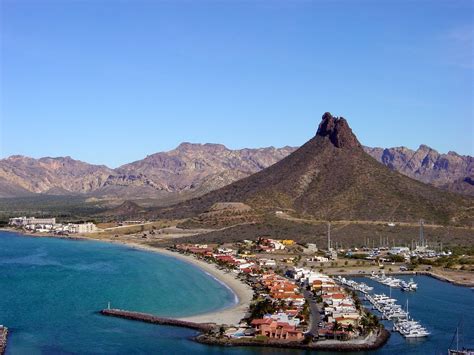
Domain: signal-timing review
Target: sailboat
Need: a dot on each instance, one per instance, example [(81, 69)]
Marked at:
[(457, 351)]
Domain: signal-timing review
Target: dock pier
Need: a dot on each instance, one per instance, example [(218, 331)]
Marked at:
[(149, 318)]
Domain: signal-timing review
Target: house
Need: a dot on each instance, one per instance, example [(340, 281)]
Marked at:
[(274, 329)]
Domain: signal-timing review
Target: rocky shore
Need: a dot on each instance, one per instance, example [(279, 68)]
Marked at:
[(3, 339), (372, 343)]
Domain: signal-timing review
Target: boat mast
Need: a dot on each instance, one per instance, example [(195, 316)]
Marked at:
[(408, 315), (457, 338)]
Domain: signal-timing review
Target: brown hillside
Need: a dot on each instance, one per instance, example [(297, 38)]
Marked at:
[(331, 177)]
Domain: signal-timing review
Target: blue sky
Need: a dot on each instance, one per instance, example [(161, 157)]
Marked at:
[(110, 82)]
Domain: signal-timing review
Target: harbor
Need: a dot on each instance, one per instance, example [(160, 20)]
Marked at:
[(387, 306)]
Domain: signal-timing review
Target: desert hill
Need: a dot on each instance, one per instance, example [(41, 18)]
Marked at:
[(331, 177), (192, 170)]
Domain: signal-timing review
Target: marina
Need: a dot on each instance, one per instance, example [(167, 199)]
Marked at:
[(387, 306), (394, 282), (402, 322)]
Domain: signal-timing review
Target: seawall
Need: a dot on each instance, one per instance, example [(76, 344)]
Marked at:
[(341, 346)]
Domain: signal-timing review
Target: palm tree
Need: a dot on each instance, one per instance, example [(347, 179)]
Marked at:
[(336, 328), (365, 322)]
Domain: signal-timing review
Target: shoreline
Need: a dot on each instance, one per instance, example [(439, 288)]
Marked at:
[(199, 262), (243, 294), (229, 315)]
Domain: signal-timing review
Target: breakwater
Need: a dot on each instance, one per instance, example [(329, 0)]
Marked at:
[(149, 318), (3, 339), (379, 339)]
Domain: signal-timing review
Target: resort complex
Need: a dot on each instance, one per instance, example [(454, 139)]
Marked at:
[(49, 225)]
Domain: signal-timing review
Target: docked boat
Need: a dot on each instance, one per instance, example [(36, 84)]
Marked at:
[(409, 286), (415, 333), (407, 327), (386, 280), (358, 286)]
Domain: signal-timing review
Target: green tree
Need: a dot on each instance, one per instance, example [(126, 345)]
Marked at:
[(336, 327)]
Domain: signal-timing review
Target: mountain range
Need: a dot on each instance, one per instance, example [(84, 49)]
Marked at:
[(195, 169), (331, 177)]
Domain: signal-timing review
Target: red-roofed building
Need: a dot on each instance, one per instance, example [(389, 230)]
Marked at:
[(276, 330)]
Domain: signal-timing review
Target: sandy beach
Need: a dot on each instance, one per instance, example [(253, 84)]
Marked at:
[(230, 315)]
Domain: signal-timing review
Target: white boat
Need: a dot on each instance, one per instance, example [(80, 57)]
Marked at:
[(416, 333), (409, 286)]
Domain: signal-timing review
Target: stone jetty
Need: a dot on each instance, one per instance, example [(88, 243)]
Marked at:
[(149, 318), (210, 337), (3, 339)]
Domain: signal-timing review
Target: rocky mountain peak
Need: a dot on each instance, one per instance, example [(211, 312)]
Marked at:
[(186, 146), (338, 131)]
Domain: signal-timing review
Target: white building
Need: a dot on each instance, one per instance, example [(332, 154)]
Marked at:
[(31, 221), (81, 228), (399, 250)]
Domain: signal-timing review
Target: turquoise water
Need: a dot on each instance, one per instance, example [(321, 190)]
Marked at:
[(51, 290)]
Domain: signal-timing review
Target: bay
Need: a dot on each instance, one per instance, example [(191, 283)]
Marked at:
[(51, 290)]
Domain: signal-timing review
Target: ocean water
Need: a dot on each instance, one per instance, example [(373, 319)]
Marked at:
[(51, 290)]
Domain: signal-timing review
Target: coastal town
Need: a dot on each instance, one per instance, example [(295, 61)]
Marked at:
[(300, 294), (295, 304)]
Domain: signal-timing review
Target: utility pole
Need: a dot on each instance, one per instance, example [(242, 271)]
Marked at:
[(422, 236), (329, 236)]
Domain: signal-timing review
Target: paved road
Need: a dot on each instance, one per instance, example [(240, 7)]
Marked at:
[(315, 317)]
